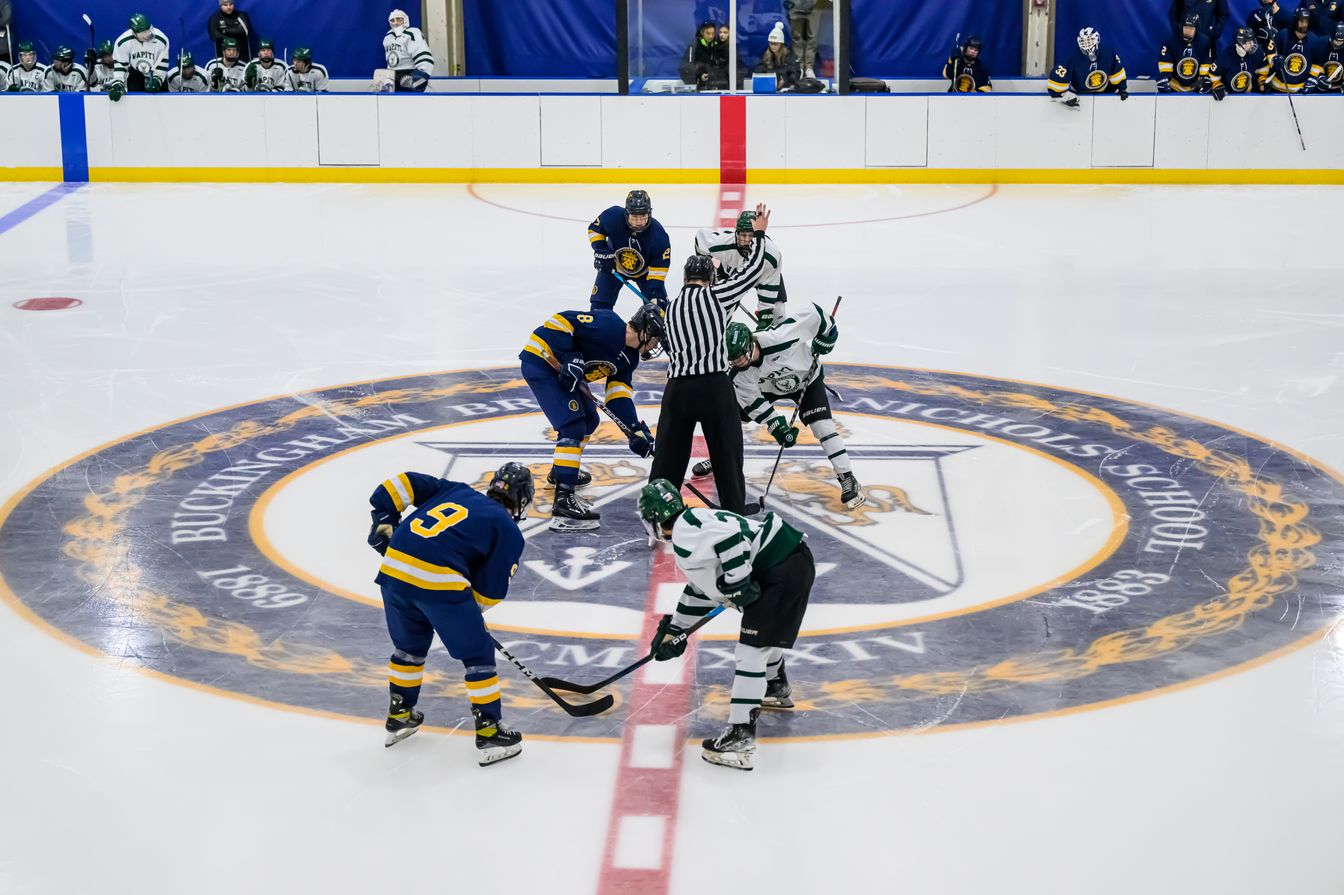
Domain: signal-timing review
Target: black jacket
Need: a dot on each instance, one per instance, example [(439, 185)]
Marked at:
[(701, 64), (237, 26), (785, 68), (1213, 15)]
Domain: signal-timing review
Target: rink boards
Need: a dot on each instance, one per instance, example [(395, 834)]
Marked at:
[(688, 139)]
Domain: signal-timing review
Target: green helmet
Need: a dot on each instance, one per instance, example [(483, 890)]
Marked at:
[(266, 44), (26, 47), (186, 59), (744, 221), (303, 54), (140, 22), (229, 43), (105, 48), (659, 502), (738, 340), (64, 54)]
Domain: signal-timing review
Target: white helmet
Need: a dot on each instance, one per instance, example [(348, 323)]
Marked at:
[(1089, 40), (397, 20)]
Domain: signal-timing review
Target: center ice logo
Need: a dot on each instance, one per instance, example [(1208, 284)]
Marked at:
[(1025, 550)]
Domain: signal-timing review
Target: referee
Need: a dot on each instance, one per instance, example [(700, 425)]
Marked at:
[(698, 388)]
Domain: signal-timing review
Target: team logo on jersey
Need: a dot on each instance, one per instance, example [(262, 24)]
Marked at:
[(1095, 80), (1295, 64), (630, 262), (594, 370), (1241, 82), (1334, 71), (1187, 68), (965, 84), (1024, 550)]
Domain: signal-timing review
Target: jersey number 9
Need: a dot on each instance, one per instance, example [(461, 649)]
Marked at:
[(448, 514)]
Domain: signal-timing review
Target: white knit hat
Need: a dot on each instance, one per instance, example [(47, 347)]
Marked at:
[(776, 34)]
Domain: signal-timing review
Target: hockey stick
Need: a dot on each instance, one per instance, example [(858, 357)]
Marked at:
[(596, 707), (625, 430), (559, 684), (1296, 122), (816, 362), (956, 47)]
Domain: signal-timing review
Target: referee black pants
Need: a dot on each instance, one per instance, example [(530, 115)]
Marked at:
[(710, 401)]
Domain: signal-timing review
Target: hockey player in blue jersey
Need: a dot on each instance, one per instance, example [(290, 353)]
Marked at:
[(573, 348), (1297, 54), (1267, 22), (1184, 61), (1093, 69), (443, 565), (1241, 68), (630, 241), (1331, 59), (965, 71)]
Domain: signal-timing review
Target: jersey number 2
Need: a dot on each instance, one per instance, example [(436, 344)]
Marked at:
[(448, 514)]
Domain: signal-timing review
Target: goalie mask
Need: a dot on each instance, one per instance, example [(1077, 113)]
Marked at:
[(1088, 41), (398, 21)]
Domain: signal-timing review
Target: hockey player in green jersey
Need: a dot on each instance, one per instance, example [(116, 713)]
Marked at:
[(765, 570), (731, 248)]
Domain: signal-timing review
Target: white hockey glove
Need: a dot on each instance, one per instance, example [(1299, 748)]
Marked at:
[(1068, 98)]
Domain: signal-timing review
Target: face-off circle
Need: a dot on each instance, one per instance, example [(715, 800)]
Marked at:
[(1026, 550)]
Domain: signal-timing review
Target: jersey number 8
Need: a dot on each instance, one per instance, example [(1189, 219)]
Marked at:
[(446, 519), (584, 318)]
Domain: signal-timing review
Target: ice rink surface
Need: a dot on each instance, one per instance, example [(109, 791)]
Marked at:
[(128, 766)]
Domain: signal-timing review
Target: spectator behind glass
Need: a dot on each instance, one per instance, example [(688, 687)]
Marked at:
[(779, 60), (700, 66), (804, 20), (6, 40), (229, 21), (1212, 18)]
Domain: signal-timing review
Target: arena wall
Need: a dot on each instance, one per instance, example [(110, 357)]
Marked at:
[(601, 138)]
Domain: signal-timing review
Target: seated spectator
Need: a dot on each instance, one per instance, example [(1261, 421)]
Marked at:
[(264, 74), (306, 76), (186, 77), (27, 76), (1297, 53), (1093, 68), (230, 21), (804, 21), (227, 73), (779, 60), (407, 54), (1267, 22), (103, 71), (700, 66), (1332, 62), (1183, 63), (1210, 17), (965, 71), (1241, 68)]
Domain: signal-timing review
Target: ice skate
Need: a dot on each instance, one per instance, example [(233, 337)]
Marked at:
[(401, 721), (571, 513), (850, 494), (735, 747), (778, 692), (495, 740)]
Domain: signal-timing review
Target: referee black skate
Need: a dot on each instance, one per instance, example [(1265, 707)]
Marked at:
[(698, 388)]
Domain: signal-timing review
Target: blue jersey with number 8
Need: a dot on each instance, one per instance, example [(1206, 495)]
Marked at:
[(455, 544)]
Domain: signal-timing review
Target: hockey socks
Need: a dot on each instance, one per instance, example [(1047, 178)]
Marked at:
[(749, 681), (833, 443)]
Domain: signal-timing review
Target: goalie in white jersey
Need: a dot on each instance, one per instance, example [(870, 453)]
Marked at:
[(65, 76), (141, 56), (28, 76), (765, 570), (731, 249), (264, 74), (783, 363), (305, 75), (186, 77), (407, 53)]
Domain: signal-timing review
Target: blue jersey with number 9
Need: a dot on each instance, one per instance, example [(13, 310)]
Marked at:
[(455, 544)]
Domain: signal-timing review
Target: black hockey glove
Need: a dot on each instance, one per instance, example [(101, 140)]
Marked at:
[(90, 60), (825, 343), (380, 533), (216, 79), (1164, 85), (1124, 94), (742, 594), (641, 443), (571, 374), (604, 261), (668, 641), (1219, 93), (786, 435)]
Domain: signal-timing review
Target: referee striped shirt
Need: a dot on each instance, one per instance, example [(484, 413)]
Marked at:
[(698, 318)]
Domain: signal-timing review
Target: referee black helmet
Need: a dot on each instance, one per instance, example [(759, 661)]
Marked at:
[(698, 267)]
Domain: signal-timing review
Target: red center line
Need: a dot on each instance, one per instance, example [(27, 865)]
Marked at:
[(641, 830)]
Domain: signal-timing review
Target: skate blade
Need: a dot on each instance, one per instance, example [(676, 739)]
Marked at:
[(857, 502), (782, 703), (496, 754), (735, 760), (397, 737), (575, 524)]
